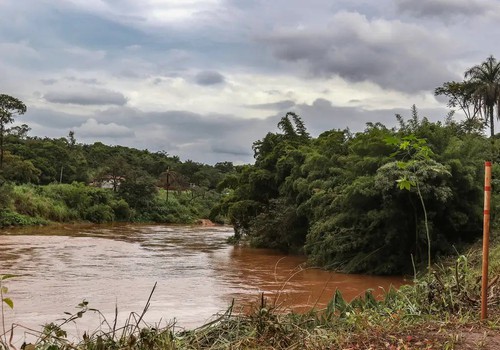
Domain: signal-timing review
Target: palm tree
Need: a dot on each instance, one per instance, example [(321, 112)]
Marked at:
[(486, 92)]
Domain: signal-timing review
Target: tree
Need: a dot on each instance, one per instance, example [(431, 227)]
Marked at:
[(138, 189), (414, 163), (9, 106), (461, 95), (485, 78)]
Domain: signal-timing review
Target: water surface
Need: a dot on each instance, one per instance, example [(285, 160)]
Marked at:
[(197, 274)]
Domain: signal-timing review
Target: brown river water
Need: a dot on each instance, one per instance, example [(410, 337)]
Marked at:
[(197, 275)]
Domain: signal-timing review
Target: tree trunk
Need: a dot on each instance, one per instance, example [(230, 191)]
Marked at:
[(1, 145), (492, 126)]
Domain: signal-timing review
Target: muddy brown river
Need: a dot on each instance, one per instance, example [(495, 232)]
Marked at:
[(197, 275)]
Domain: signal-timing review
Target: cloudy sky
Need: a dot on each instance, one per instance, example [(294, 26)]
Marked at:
[(204, 79)]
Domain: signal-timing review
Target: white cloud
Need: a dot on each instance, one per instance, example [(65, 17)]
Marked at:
[(93, 129)]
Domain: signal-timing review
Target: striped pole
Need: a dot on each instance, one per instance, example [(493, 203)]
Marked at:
[(486, 239)]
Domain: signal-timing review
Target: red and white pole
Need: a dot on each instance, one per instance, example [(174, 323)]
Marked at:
[(486, 239)]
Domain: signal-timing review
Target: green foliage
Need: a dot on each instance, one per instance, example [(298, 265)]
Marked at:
[(478, 95), (138, 189), (4, 290), (9, 106), (10, 218), (99, 213), (338, 196), (121, 210), (279, 227), (415, 163)]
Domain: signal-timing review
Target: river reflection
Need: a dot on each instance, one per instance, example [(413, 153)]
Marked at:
[(197, 274)]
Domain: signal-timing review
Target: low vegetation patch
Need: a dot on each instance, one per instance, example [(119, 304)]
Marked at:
[(29, 204)]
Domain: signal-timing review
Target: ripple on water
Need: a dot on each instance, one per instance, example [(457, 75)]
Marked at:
[(196, 272)]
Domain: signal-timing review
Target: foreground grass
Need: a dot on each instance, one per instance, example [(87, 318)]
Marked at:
[(439, 311)]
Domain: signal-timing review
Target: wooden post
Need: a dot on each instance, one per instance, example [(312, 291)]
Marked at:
[(486, 240)]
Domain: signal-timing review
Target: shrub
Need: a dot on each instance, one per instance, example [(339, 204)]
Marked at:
[(10, 218), (99, 213), (122, 210)]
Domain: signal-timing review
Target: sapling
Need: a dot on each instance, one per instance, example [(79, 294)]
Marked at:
[(411, 151), (5, 300)]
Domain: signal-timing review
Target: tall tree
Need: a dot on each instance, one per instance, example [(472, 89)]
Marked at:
[(461, 95), (9, 107), (486, 91)]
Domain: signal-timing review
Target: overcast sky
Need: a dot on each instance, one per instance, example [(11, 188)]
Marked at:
[(204, 79)]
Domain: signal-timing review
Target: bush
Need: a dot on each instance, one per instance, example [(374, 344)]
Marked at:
[(99, 213), (10, 218), (122, 210)]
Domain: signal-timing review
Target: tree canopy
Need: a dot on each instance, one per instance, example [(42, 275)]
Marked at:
[(478, 95), (336, 197), (9, 107)]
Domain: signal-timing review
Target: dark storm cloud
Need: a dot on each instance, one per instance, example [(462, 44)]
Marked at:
[(274, 106), (391, 54), (96, 97), (444, 8), (209, 78)]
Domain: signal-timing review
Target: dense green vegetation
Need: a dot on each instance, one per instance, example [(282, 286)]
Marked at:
[(60, 180), (385, 200), (336, 197)]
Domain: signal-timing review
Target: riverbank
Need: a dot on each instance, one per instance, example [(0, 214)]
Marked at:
[(439, 311), (30, 205)]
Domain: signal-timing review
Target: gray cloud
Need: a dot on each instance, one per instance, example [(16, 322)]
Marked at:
[(97, 97), (89, 81), (322, 115), (274, 105), (48, 81), (405, 46), (52, 119), (209, 78), (391, 54), (205, 138), (223, 148), (444, 8), (92, 128)]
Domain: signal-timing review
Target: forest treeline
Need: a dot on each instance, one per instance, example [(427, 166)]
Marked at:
[(350, 202), (59, 179)]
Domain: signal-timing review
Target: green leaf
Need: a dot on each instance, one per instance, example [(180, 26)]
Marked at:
[(404, 145), (9, 302), (404, 184), (4, 277), (4, 290), (391, 140), (402, 165)]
